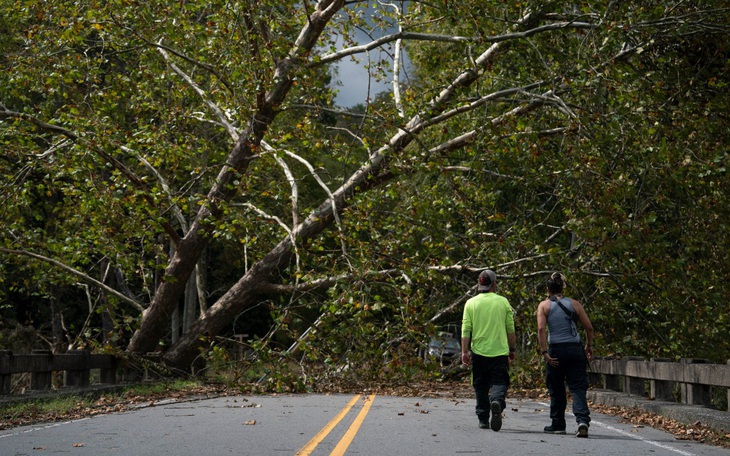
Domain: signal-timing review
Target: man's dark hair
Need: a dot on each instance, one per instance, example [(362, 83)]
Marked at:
[(556, 283)]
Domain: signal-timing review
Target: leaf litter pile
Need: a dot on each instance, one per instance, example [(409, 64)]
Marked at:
[(119, 403), (696, 432)]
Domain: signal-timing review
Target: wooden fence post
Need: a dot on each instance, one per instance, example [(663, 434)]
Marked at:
[(78, 372), (661, 390), (108, 373), (595, 378), (632, 384), (611, 382), (41, 374), (695, 393), (6, 358)]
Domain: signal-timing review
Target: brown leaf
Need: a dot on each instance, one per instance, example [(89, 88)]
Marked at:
[(79, 445), (249, 422)]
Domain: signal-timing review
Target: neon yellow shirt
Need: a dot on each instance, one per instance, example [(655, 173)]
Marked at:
[(487, 320)]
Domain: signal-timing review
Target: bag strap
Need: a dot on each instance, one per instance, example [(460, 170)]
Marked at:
[(573, 316)]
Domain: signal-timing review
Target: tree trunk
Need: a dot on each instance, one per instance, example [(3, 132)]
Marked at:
[(191, 303), (157, 316), (244, 294), (56, 327), (175, 326), (201, 272)]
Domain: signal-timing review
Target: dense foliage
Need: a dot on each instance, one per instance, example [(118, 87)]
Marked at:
[(174, 174)]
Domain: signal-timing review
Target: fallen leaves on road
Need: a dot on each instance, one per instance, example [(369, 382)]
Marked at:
[(455, 390), (640, 418)]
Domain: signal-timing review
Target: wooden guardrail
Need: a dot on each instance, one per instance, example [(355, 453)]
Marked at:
[(694, 378), (76, 366)]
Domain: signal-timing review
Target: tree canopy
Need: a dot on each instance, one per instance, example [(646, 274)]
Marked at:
[(183, 170)]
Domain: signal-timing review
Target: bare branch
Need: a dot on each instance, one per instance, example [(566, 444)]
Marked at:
[(477, 269), (328, 282), (267, 216), (324, 187), (467, 169), (466, 138), (165, 187), (481, 102), (404, 35), (7, 114), (294, 189), (232, 132), (396, 64), (52, 150)]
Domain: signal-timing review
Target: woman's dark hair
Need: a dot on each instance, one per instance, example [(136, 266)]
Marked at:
[(556, 283)]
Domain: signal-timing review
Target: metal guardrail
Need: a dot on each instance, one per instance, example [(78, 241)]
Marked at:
[(76, 366), (694, 378)]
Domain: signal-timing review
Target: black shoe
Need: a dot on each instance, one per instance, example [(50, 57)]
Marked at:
[(582, 430), (552, 430), (496, 423), (483, 424)]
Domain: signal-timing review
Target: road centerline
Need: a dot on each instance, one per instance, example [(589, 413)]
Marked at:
[(322, 434), (346, 440)]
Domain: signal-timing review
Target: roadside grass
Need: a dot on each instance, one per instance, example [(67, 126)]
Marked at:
[(59, 406), (38, 407), (161, 388)]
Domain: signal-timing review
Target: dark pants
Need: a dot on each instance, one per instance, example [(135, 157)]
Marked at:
[(571, 368), (490, 378)]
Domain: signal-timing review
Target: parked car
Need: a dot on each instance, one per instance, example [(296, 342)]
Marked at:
[(444, 348)]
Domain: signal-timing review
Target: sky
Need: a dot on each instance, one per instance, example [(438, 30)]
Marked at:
[(353, 78)]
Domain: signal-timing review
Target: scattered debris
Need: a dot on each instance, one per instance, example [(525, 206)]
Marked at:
[(457, 391), (696, 432)]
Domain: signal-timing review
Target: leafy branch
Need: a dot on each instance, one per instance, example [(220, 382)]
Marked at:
[(416, 36), (75, 272)]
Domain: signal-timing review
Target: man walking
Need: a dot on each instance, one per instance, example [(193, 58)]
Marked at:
[(488, 329), (566, 359)]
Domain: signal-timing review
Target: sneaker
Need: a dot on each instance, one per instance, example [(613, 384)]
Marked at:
[(551, 430), (496, 423), (582, 430)]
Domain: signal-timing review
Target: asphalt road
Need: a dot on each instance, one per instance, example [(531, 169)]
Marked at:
[(335, 425)]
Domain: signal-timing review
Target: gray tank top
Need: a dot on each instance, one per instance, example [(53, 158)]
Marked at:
[(561, 329)]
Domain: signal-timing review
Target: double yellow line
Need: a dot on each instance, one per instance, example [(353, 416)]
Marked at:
[(346, 439)]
